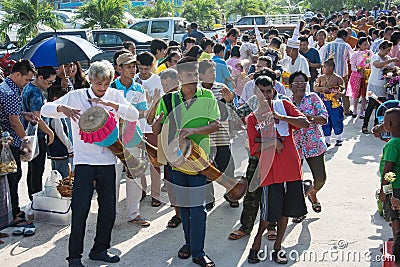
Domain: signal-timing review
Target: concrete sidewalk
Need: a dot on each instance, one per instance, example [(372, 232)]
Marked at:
[(348, 232)]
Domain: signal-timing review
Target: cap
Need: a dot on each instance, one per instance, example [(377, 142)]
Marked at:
[(126, 58)]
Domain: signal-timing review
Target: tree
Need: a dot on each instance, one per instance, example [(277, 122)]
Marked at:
[(244, 8), (203, 11), (103, 13), (160, 8), (29, 15)]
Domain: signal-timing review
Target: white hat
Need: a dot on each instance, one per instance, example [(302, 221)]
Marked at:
[(294, 41)]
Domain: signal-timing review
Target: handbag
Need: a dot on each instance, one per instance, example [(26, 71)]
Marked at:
[(31, 133)]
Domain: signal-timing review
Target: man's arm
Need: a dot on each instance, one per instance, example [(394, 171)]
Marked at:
[(210, 128), (16, 125)]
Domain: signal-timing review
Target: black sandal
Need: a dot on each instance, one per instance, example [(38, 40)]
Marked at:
[(155, 202), (364, 130), (279, 256), (184, 252), (174, 222), (253, 256), (204, 261), (234, 204), (298, 219)]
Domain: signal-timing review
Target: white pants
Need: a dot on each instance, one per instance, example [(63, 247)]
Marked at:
[(133, 191)]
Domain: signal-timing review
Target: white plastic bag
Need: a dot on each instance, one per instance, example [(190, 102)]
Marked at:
[(50, 187), (31, 132)]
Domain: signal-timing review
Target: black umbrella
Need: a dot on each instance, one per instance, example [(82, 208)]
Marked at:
[(59, 50)]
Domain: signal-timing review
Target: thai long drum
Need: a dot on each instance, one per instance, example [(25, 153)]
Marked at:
[(188, 157), (97, 126)]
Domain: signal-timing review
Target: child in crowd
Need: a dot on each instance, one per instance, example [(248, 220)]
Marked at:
[(390, 162), (61, 149), (331, 87)]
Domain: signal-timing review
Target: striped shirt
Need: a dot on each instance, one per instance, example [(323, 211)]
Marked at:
[(220, 137), (341, 53)]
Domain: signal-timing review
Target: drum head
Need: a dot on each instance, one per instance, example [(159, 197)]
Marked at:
[(92, 119), (178, 151)]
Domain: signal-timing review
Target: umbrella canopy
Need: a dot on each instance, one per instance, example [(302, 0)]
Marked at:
[(59, 50)]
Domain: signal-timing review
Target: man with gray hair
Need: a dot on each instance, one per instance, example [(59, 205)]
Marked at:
[(88, 167)]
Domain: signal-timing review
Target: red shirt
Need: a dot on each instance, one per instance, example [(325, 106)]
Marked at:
[(275, 168)]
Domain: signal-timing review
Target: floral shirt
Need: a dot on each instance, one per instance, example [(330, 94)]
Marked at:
[(309, 141)]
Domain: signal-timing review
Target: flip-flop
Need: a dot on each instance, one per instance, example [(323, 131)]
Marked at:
[(237, 234), (298, 219), (271, 235), (18, 230), (29, 230), (174, 222), (184, 252), (315, 206), (140, 221)]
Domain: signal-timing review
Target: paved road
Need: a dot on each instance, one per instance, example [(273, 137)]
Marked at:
[(348, 232)]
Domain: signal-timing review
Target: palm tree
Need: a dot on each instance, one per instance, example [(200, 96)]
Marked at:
[(244, 7), (203, 11), (29, 15), (103, 13), (157, 9)]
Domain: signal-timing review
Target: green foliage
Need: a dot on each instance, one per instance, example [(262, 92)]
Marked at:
[(103, 13), (202, 11), (160, 8), (29, 15), (244, 7)]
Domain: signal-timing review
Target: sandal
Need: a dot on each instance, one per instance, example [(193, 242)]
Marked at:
[(174, 222), (271, 235), (315, 206), (184, 252), (364, 130), (234, 204), (204, 261), (155, 202), (253, 256), (298, 219), (29, 230), (237, 234), (141, 221), (279, 257)]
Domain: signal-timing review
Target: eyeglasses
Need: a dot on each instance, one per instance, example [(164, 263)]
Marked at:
[(50, 82), (299, 84)]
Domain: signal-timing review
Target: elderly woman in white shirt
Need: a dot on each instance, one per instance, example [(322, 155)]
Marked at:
[(92, 162)]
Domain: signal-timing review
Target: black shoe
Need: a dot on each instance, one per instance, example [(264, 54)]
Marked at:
[(361, 117), (103, 256), (354, 115), (210, 206), (350, 113), (339, 143), (328, 144), (75, 263)]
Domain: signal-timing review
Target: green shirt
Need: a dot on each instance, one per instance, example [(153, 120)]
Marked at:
[(391, 153), (202, 111)]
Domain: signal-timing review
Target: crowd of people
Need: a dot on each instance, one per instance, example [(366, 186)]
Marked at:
[(290, 94)]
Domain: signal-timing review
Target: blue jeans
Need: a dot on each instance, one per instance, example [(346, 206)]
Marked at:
[(60, 165), (190, 192), (85, 175)]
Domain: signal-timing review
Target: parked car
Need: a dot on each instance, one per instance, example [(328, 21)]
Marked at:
[(109, 40), (168, 28), (67, 19)]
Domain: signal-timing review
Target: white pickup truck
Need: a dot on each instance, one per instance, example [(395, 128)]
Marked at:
[(169, 28)]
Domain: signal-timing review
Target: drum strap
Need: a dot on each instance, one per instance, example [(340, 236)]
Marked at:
[(89, 97)]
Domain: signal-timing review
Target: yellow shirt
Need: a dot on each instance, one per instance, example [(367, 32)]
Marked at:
[(204, 55), (161, 68)]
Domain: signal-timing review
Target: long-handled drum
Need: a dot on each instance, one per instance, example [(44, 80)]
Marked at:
[(97, 126), (188, 157)]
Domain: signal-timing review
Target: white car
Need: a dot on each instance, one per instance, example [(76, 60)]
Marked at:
[(11, 35), (67, 19)]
